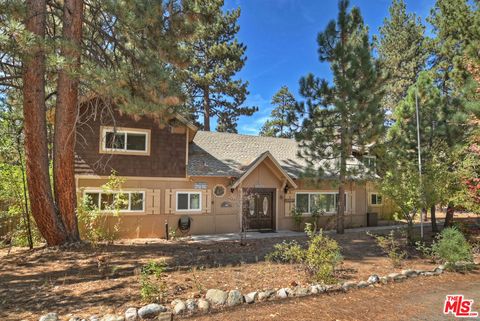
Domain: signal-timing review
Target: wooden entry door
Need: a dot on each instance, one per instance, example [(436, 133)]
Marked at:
[(259, 208)]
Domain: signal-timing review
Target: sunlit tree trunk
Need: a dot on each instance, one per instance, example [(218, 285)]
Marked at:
[(35, 126), (66, 112)]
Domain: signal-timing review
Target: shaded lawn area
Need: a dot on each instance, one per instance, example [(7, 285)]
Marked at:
[(84, 280)]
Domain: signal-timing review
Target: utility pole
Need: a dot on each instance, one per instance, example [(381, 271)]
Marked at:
[(419, 160)]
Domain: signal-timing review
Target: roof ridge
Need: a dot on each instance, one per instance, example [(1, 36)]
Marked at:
[(245, 135)]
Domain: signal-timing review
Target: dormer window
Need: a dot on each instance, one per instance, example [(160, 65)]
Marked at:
[(120, 140), (370, 162)]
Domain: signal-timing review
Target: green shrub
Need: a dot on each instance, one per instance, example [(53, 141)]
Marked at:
[(322, 257), (286, 252), (297, 218), (152, 284), (319, 259), (390, 246), (94, 222), (452, 247)]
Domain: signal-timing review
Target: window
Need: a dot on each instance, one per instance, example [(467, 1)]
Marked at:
[(124, 140), (189, 201), (115, 201), (370, 162), (326, 202), (375, 199), (219, 191)]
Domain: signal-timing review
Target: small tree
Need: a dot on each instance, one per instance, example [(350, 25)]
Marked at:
[(401, 185), (282, 116)]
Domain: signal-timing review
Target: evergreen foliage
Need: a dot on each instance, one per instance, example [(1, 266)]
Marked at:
[(216, 57), (346, 112), (402, 52), (283, 115)]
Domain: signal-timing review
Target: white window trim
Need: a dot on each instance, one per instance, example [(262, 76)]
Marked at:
[(347, 205), (118, 192), (370, 199), (199, 210), (125, 131), (371, 157)]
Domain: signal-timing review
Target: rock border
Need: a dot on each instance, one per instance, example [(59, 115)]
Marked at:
[(216, 299)]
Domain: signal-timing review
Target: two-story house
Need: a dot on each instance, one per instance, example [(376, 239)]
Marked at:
[(216, 182)]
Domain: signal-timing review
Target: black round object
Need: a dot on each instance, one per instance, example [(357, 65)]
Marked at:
[(184, 223)]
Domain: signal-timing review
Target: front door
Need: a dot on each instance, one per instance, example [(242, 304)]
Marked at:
[(259, 208)]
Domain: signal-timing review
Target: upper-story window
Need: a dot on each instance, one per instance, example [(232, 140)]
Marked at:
[(375, 199), (370, 162), (120, 140)]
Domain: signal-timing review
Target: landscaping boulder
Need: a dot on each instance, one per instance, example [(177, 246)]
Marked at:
[(191, 305), (383, 280), (180, 307), (400, 278), (441, 268), (334, 288), (164, 316), (234, 298), (372, 279), (112, 317), (393, 276), (216, 297), (94, 318), (151, 311), (75, 319), (52, 316), (428, 273), (300, 291), (131, 314), (409, 273), (362, 284), (282, 294), (349, 285), (265, 295), (250, 297), (313, 289), (203, 305)]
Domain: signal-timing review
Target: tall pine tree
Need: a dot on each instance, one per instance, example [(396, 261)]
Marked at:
[(402, 52), (347, 111), (282, 116), (217, 56)]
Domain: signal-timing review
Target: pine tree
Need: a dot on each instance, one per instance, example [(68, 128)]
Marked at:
[(217, 56), (282, 115), (129, 58), (456, 27), (402, 140), (402, 52), (346, 112)]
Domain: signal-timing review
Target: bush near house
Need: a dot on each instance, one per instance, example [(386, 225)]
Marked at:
[(319, 259), (452, 247)]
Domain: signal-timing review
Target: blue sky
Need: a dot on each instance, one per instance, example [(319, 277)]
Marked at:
[(281, 44)]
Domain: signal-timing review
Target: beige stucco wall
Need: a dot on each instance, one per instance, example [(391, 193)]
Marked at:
[(215, 218)]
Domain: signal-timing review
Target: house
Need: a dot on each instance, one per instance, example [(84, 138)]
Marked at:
[(206, 182)]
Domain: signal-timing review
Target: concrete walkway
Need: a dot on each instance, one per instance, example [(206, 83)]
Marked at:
[(285, 234)]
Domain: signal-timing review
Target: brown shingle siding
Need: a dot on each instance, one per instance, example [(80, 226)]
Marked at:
[(167, 150)]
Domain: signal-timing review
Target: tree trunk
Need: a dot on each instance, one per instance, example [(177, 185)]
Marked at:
[(341, 187), (206, 110), (434, 219), (35, 125), (449, 215), (28, 226), (66, 112)]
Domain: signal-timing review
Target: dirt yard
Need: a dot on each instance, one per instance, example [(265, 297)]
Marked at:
[(87, 280)]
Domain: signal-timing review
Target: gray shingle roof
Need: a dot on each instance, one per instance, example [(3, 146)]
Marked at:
[(225, 154)]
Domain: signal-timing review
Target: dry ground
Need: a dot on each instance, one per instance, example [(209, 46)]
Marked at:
[(419, 299), (88, 280)]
